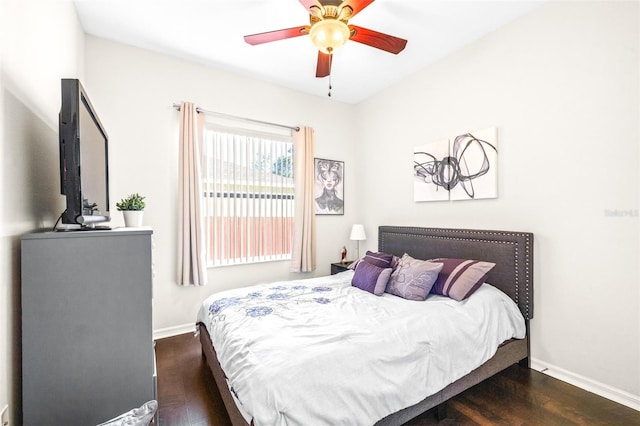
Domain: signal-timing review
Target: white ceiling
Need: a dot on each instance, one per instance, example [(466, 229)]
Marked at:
[(211, 32)]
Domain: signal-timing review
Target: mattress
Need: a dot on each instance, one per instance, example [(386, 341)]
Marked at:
[(319, 350)]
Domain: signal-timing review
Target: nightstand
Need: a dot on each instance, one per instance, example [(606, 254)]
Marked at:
[(340, 267)]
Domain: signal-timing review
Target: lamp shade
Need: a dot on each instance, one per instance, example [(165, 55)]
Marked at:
[(357, 233), (329, 34)]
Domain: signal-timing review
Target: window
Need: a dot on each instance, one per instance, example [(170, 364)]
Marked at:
[(249, 196)]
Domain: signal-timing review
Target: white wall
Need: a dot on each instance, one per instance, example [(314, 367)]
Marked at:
[(561, 84), (42, 42), (133, 91)]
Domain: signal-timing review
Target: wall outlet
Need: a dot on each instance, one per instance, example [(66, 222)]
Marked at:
[(4, 416)]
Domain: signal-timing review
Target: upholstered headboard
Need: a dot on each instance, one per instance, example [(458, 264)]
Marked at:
[(512, 252)]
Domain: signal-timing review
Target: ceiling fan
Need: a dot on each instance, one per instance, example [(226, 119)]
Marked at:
[(329, 29)]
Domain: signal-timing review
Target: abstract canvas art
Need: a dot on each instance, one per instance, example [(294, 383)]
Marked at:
[(430, 183), (464, 167)]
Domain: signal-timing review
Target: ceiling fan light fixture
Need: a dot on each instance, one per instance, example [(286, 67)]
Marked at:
[(329, 34)]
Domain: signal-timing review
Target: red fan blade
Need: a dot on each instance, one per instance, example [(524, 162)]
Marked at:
[(355, 5), (276, 35), (309, 5), (323, 68), (378, 40)]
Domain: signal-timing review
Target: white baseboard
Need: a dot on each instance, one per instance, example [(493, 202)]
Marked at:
[(162, 333), (605, 391)]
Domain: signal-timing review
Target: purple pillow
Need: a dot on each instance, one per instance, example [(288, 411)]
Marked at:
[(459, 278), (412, 278), (380, 259), (371, 278)]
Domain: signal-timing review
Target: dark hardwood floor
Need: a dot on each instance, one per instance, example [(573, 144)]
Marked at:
[(187, 396)]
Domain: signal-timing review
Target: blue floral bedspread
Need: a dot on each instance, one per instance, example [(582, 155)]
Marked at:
[(320, 351), (273, 298)]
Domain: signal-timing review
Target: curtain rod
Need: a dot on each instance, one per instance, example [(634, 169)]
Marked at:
[(234, 117)]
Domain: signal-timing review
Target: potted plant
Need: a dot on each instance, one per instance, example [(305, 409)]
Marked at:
[(132, 208)]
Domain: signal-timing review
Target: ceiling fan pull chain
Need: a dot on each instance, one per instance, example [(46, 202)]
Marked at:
[(329, 85)]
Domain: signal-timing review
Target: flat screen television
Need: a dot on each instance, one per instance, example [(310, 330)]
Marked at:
[(84, 160)]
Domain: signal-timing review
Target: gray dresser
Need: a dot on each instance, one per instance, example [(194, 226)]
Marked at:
[(87, 339)]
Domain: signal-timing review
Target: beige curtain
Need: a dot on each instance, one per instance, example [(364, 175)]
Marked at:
[(303, 256), (191, 255)]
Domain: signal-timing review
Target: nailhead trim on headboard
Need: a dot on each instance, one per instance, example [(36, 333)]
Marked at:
[(521, 242)]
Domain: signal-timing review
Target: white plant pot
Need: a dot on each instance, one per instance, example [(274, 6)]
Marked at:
[(132, 218)]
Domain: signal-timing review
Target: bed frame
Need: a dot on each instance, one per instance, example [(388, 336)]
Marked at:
[(512, 252)]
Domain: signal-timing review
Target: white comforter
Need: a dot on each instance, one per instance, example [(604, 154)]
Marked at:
[(319, 351)]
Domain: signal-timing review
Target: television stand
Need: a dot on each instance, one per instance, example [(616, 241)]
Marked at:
[(85, 228), (95, 228)]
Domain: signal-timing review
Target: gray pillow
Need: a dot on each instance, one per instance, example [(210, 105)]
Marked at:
[(412, 279)]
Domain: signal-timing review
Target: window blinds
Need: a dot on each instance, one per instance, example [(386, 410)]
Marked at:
[(249, 196)]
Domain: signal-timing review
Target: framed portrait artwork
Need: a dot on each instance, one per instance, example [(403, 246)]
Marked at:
[(329, 186)]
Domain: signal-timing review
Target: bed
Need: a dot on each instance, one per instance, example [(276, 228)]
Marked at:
[(512, 254)]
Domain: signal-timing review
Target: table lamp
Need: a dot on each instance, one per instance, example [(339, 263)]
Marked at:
[(357, 234)]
